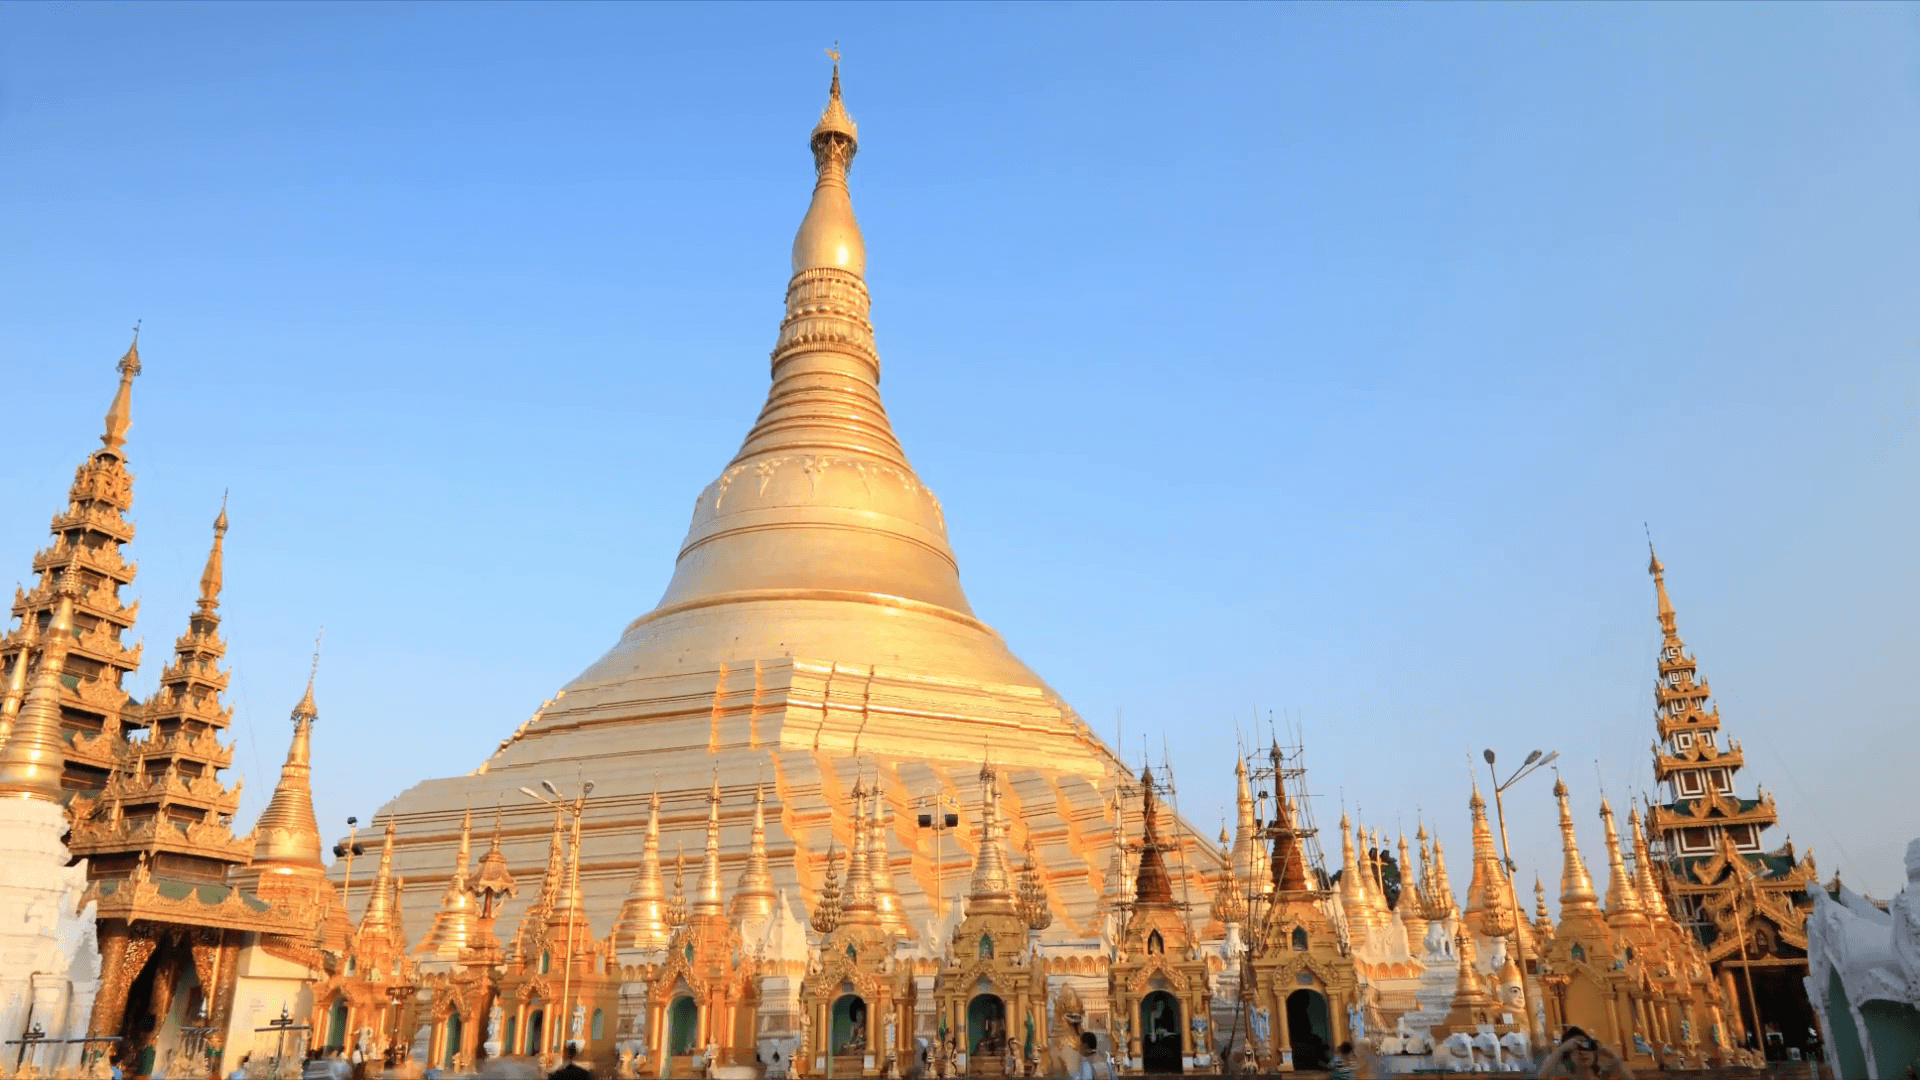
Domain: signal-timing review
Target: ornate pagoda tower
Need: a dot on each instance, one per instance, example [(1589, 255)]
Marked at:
[(88, 537), (815, 618), (1746, 904)]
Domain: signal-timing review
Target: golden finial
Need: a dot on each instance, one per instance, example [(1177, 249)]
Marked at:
[(213, 577), (305, 710), (120, 413)]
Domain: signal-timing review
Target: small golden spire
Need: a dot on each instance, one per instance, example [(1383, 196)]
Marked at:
[(1643, 879), (454, 924), (677, 906), (120, 413), (287, 834), (35, 754), (213, 576), (642, 923), (1622, 899), (887, 904), (1669, 622), (826, 911), (492, 880), (706, 899), (992, 887), (753, 895), (24, 639), (379, 919), (1576, 885)]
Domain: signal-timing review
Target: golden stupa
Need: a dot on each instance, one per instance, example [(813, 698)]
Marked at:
[(814, 637)]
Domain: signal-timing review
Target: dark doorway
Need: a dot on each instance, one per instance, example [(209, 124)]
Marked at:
[(986, 1030), (1309, 1030), (1160, 1024)]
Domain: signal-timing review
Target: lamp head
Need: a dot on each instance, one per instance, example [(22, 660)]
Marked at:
[(587, 789), (1488, 754), (1533, 757), (551, 790), (353, 820)]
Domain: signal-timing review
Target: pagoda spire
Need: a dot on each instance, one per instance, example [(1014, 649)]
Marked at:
[(826, 911), (1651, 901), (287, 836), (753, 895), (214, 576), (1623, 900), (1411, 915), (1353, 890), (1152, 885), (22, 642), (706, 900), (453, 929), (34, 757), (1576, 885), (378, 918), (120, 413), (992, 887), (677, 904), (1443, 887), (858, 906), (642, 923), (1488, 894), (184, 718), (886, 894), (1287, 869), (492, 883), (87, 537)]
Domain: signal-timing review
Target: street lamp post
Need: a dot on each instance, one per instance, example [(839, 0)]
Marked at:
[(1534, 762), (575, 807), (348, 849), (938, 818)]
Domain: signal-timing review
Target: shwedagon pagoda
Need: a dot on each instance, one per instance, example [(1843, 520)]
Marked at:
[(912, 856)]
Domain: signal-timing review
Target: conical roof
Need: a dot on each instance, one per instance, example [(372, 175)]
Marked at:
[(818, 538)]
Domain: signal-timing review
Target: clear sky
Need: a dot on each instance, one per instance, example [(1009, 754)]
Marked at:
[(1316, 360)]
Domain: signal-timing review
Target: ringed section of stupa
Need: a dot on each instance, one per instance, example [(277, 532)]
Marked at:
[(814, 637)]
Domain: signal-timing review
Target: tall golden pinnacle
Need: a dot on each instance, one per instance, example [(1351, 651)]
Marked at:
[(829, 236), (642, 922), (706, 900), (213, 577), (35, 753), (1669, 624), (120, 413), (287, 836), (1576, 885), (992, 888), (1623, 900)]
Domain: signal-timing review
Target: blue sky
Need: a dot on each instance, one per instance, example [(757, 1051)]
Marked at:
[(1316, 360)]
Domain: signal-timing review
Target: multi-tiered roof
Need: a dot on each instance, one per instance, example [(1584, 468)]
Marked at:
[(1704, 825)]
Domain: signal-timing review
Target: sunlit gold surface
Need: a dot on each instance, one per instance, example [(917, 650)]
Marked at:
[(814, 633)]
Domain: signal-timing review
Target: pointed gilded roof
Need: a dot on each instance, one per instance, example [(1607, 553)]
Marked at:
[(887, 904), (1576, 885), (821, 496), (992, 886), (120, 413), (706, 899), (380, 919), (287, 835), (1152, 885), (492, 880), (753, 895), (1623, 900), (642, 922), (455, 921)]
